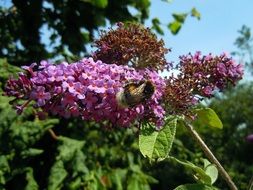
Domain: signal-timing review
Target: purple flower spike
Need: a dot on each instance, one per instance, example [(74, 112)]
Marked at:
[(87, 89)]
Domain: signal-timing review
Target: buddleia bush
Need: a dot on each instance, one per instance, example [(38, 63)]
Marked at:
[(78, 122)]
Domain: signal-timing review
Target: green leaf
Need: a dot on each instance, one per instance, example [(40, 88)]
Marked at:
[(141, 4), (195, 187), (207, 116), (98, 3), (210, 170), (156, 26), (180, 17), (157, 144), (195, 13), (117, 177), (31, 152), (31, 183), (75, 184), (200, 174), (78, 163), (7, 69), (174, 27), (70, 151), (68, 148), (57, 176), (86, 37), (91, 181), (133, 183), (5, 168)]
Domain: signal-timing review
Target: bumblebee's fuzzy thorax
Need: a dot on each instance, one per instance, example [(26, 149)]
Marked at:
[(133, 93)]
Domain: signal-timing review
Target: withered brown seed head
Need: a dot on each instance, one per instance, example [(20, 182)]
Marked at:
[(178, 95), (132, 45)]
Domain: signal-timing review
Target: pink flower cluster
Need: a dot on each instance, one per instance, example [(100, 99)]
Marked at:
[(86, 89), (209, 72), (199, 77)]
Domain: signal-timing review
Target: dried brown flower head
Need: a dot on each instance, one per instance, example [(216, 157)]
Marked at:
[(179, 96), (132, 45)]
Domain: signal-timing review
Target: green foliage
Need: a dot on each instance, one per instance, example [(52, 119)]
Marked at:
[(195, 187), (207, 117), (235, 110), (195, 13), (97, 3), (57, 176), (157, 144), (71, 164), (156, 26), (206, 175), (179, 19), (175, 26), (31, 183), (245, 46), (18, 138), (210, 170), (71, 26)]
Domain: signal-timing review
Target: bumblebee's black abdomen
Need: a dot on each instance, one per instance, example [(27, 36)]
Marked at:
[(135, 94), (149, 90)]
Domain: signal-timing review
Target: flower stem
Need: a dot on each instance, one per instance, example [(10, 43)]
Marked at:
[(210, 156), (251, 184), (53, 135)]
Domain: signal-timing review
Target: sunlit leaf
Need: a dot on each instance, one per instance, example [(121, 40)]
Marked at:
[(156, 26), (7, 69), (199, 173), (68, 148), (5, 168), (133, 183), (57, 176), (207, 116), (117, 177), (31, 183), (210, 170), (174, 27), (75, 184), (195, 13), (157, 144), (142, 4), (180, 17), (31, 152), (195, 187), (98, 3), (78, 163)]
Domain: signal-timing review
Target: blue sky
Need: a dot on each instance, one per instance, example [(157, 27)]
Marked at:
[(215, 32)]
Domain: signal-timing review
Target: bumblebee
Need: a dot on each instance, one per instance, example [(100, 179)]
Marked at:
[(134, 93)]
